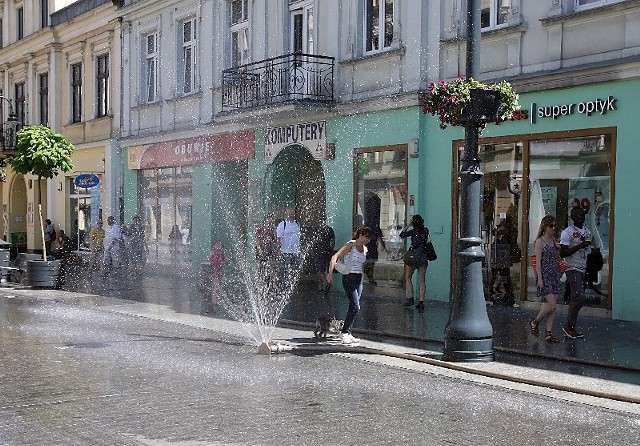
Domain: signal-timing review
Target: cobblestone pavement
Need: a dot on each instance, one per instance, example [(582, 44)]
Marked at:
[(82, 370)]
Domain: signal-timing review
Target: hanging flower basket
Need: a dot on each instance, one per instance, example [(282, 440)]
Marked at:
[(452, 102), (3, 175)]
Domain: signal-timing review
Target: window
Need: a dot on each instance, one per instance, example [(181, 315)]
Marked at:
[(567, 173), (239, 32), (150, 67), (102, 90), (20, 102), (494, 13), (76, 92), (302, 30), (1, 33), (44, 13), (188, 56), (378, 24), (19, 23), (586, 4), (382, 204), (166, 209), (43, 92)]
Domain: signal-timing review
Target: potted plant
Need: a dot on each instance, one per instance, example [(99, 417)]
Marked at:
[(42, 153), (467, 100)]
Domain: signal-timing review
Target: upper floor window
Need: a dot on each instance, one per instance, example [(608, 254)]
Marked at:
[(43, 93), (239, 32), (150, 67), (188, 56), (44, 13), (102, 90), (76, 92), (302, 29), (20, 102), (378, 24), (494, 13), (19, 23), (586, 4)]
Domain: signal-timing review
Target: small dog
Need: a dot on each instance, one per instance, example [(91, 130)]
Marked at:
[(327, 324)]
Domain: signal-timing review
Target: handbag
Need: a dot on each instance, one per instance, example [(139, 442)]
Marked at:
[(430, 250), (412, 257), (343, 265)]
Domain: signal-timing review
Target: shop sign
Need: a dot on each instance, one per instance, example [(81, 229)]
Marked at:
[(596, 106), (310, 135), (200, 150), (86, 180)]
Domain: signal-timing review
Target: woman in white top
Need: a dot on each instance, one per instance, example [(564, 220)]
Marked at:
[(352, 282)]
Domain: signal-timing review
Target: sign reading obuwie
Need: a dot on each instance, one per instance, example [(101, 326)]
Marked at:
[(310, 135)]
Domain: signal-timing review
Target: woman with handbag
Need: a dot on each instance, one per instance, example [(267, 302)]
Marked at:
[(415, 258), (547, 275), (353, 255)]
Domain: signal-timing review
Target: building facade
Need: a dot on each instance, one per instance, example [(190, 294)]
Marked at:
[(58, 68)]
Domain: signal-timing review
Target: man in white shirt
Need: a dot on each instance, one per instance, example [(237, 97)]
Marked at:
[(575, 244), (113, 238), (288, 234)]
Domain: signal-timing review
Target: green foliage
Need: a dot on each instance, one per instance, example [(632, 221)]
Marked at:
[(42, 152), (448, 100)]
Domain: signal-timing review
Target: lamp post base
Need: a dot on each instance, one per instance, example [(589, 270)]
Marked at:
[(468, 350)]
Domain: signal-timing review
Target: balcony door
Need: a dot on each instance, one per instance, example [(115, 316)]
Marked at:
[(302, 73)]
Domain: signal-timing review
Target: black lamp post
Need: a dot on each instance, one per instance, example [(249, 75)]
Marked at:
[(469, 334), (9, 128)]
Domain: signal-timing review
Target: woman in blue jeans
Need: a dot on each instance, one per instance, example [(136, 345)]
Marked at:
[(352, 282)]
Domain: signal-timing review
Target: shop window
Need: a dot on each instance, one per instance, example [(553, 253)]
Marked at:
[(565, 173), (84, 204), (501, 210), (166, 211), (381, 204)]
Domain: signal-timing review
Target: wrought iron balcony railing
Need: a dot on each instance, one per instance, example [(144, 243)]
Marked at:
[(292, 77), (8, 140)]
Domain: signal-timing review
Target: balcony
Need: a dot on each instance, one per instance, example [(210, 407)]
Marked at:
[(283, 79)]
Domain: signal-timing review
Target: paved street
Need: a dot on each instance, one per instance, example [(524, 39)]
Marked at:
[(80, 370)]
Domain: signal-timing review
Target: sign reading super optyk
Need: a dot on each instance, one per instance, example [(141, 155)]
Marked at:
[(310, 135)]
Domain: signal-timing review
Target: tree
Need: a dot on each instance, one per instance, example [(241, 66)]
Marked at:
[(41, 153)]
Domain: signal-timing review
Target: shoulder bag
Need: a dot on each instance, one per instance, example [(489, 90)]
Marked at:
[(430, 250), (343, 265)]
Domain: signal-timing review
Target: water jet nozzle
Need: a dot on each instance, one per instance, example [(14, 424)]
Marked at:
[(268, 348)]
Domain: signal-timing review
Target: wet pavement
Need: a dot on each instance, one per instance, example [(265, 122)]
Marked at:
[(610, 348), (84, 370)]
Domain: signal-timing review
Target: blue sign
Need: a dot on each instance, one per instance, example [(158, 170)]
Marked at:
[(86, 180)]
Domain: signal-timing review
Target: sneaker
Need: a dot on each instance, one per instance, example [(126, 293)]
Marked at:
[(569, 332), (347, 339), (409, 302), (420, 306)]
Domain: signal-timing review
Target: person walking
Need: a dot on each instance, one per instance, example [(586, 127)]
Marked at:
[(419, 236), (288, 234), (137, 245), (113, 246), (323, 242), (266, 247), (575, 242), (547, 275), (352, 282)]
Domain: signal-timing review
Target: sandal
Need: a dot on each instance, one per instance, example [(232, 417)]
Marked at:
[(534, 327), (551, 338)]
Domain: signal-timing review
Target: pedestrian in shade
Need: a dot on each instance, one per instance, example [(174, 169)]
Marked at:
[(419, 236), (547, 275)]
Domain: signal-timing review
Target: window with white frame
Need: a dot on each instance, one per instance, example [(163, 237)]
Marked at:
[(239, 32), (378, 24), (587, 4), (188, 56), (150, 68), (494, 13), (44, 13), (102, 90), (76, 92), (43, 94), (20, 102), (19, 23)]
